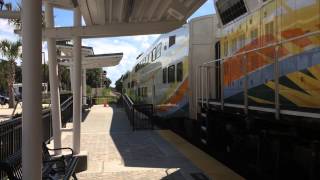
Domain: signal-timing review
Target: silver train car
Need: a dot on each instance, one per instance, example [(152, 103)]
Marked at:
[(162, 74)]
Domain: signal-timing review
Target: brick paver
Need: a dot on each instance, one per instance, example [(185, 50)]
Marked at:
[(116, 152)]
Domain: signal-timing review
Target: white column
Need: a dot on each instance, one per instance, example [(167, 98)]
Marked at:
[(77, 84), (31, 79), (84, 86), (53, 77)]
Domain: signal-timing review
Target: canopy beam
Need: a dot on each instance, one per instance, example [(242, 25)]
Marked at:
[(112, 30)]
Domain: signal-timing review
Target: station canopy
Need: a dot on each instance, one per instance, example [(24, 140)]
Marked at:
[(105, 18), (89, 60)]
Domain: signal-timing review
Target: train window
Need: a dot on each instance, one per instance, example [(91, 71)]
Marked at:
[(154, 54), (226, 48), (269, 28), (128, 84), (172, 40), (171, 73), (254, 36), (145, 91), (164, 75), (230, 9), (142, 92), (179, 71), (234, 45), (242, 41), (158, 51)]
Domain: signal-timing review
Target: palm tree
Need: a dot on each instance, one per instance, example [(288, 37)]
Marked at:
[(11, 51)]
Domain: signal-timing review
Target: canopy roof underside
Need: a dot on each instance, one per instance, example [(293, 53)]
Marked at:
[(89, 59), (102, 12)]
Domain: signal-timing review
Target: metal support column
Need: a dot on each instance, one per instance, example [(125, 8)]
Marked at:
[(207, 85), (31, 95), (245, 84), (201, 77), (276, 80), (222, 84), (53, 78), (197, 91), (77, 84)]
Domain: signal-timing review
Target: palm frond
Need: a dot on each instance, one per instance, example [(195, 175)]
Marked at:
[(10, 50)]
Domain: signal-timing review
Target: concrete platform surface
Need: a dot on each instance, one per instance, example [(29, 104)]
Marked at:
[(116, 152)]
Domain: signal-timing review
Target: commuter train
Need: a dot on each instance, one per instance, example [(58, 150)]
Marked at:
[(247, 37), (161, 75), (246, 81)]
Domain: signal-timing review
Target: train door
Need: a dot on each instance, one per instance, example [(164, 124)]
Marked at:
[(218, 71)]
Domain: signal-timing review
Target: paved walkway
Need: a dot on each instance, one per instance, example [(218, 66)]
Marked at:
[(115, 152)]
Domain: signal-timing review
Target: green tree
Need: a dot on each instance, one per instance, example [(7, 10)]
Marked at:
[(64, 78), (3, 81), (119, 84), (94, 77), (11, 51), (107, 82)]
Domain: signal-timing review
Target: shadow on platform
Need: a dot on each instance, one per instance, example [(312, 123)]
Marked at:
[(147, 148)]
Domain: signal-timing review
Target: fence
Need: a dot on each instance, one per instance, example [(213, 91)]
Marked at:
[(66, 111), (104, 99), (11, 130), (139, 115)]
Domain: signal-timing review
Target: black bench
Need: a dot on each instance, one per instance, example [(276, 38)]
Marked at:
[(54, 167), (62, 166), (12, 166)]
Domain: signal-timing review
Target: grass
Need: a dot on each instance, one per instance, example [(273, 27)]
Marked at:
[(108, 99)]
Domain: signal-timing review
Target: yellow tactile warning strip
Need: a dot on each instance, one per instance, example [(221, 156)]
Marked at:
[(211, 167)]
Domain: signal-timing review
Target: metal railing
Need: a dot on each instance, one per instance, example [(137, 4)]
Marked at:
[(66, 111), (202, 74), (140, 115), (11, 130)]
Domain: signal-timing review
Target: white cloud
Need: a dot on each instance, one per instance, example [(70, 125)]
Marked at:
[(6, 31), (131, 47)]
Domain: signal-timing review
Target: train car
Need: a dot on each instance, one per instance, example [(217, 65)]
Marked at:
[(264, 118), (161, 75), (270, 52)]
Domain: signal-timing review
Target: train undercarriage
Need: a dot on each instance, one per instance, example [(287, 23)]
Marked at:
[(257, 146)]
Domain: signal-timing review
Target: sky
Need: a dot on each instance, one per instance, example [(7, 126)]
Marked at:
[(131, 46)]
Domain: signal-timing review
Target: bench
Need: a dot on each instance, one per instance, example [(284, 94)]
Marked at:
[(64, 166), (12, 166), (54, 167)]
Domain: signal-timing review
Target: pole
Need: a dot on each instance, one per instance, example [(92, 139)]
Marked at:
[(276, 80), (44, 72), (77, 84), (222, 84), (245, 67), (53, 79), (84, 86), (31, 94)]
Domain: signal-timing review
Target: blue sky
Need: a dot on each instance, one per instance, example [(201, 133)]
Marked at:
[(131, 46)]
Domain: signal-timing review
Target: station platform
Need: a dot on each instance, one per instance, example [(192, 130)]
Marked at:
[(116, 152)]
